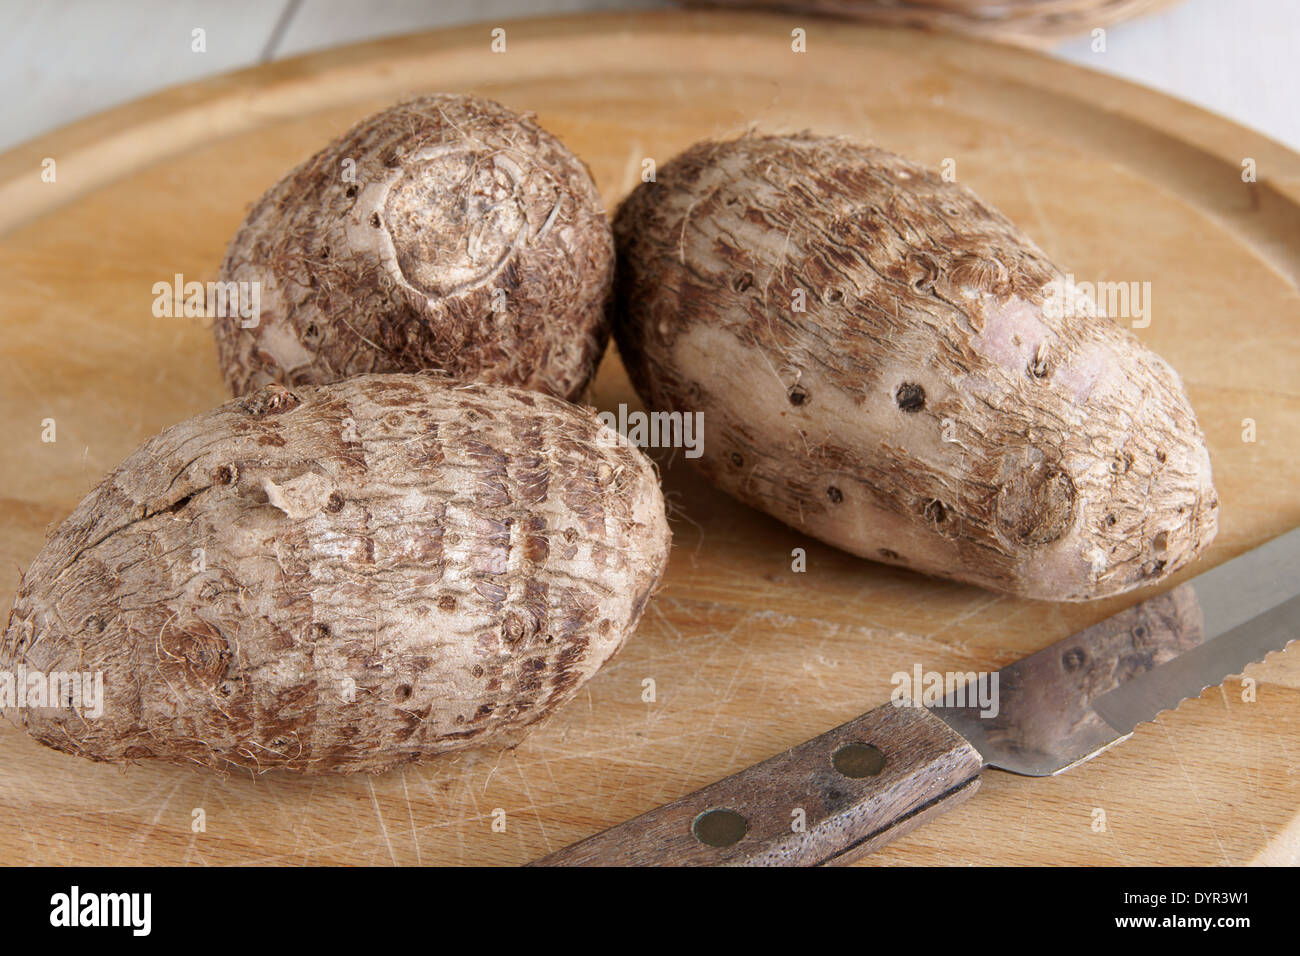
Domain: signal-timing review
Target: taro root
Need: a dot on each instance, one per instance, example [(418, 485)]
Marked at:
[(879, 363), (342, 578), (446, 233)]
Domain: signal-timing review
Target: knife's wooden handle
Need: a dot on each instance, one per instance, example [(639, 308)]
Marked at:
[(830, 800)]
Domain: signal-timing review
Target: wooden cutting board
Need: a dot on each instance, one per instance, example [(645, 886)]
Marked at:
[(747, 656)]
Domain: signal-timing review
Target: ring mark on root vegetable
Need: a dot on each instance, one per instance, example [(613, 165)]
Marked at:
[(270, 400), (512, 629), (194, 651), (454, 220), (975, 274), (1035, 505)]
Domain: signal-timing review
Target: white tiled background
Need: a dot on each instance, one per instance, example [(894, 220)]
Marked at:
[(63, 59)]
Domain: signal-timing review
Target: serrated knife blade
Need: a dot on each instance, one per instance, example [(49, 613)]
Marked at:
[(856, 787), (1080, 696)]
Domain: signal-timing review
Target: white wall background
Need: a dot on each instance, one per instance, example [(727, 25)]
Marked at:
[(63, 59)]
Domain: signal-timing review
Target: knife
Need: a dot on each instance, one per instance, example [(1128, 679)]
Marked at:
[(853, 789)]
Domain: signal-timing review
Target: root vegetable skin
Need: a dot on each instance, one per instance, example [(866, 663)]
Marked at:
[(870, 350), (391, 569), (446, 233)]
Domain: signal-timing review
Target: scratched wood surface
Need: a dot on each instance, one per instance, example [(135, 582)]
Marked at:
[(747, 656)]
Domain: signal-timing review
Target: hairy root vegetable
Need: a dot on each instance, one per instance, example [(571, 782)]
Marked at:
[(342, 578), (879, 363), (446, 233)]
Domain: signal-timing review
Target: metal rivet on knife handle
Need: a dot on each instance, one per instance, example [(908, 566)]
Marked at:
[(720, 828), (858, 760)]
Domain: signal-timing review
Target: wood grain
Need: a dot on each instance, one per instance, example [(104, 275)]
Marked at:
[(747, 656)]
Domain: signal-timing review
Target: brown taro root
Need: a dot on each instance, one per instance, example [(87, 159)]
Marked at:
[(879, 364), (342, 578), (446, 233)]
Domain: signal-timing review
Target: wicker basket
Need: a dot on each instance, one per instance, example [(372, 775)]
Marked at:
[(1034, 23)]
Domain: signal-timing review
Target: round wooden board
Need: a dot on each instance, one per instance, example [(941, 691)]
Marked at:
[(748, 658)]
